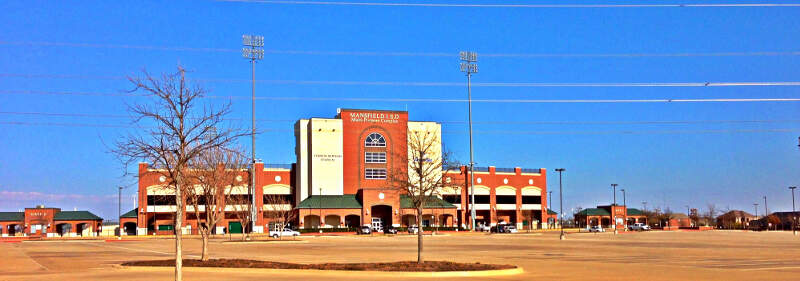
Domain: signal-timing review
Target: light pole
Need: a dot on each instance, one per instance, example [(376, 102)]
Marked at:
[(625, 205), (469, 66), (766, 210), (561, 204), (119, 213), (253, 50), (689, 215), (794, 215), (755, 207), (549, 197), (614, 214)]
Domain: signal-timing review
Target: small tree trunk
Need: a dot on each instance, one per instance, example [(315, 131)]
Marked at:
[(204, 256), (419, 235), (177, 228)]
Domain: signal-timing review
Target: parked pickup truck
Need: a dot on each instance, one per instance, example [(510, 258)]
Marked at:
[(285, 232), (639, 227)]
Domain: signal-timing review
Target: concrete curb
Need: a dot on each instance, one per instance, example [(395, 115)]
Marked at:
[(338, 273), (265, 242)]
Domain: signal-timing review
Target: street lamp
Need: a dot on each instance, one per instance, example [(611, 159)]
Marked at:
[(614, 214), (794, 215), (469, 67), (561, 204)]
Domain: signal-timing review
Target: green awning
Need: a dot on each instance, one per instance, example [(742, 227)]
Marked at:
[(635, 212), (432, 203), (130, 214), (594, 212), (12, 216), (551, 212), (330, 202), (75, 216)]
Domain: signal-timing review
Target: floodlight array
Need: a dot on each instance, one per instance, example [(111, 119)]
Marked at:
[(253, 54), (253, 40), (468, 56), (469, 67)]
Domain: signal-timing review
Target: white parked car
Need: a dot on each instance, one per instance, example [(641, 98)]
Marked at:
[(511, 229), (639, 226), (285, 232), (483, 228), (596, 228)]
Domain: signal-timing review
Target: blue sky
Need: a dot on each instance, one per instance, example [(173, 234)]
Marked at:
[(731, 164)]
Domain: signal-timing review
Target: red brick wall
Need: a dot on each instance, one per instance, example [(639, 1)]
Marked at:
[(493, 180), (394, 129), (42, 216)]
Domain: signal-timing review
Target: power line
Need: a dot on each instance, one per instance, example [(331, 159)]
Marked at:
[(667, 122), (488, 132), (431, 84), (400, 53), (431, 100), (467, 5)]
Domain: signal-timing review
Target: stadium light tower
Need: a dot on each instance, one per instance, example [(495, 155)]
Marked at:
[(469, 66), (561, 204), (253, 50)]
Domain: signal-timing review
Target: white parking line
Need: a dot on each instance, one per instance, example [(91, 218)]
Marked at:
[(34, 261), (144, 250)]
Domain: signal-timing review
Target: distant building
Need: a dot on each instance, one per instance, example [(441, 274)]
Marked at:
[(775, 221), (602, 216), (736, 219), (49, 222)]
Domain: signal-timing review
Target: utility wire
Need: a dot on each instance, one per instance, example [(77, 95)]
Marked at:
[(668, 122), (400, 53), (468, 5), (486, 132), (433, 100), (428, 84)]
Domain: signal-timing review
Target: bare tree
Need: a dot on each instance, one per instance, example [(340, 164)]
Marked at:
[(423, 179), (176, 128), (241, 206), (279, 211), (710, 215), (216, 171), (666, 216)]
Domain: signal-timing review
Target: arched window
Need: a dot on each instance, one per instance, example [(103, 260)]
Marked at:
[(375, 140)]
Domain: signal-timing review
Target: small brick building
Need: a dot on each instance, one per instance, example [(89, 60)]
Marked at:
[(49, 222), (602, 216)]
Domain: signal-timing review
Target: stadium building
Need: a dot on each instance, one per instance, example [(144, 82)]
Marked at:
[(343, 178)]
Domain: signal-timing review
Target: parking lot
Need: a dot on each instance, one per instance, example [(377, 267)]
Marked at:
[(655, 255)]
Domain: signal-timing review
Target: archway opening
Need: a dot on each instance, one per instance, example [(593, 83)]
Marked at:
[(311, 221), (352, 221), (381, 217), (408, 220), (333, 221), (83, 229), (446, 220), (63, 229), (129, 228), (13, 229)]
